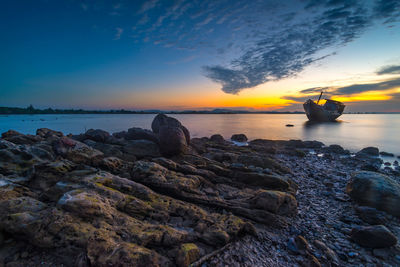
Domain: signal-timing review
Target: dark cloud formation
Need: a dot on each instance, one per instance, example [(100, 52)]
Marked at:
[(303, 98), (314, 90), (360, 88), (393, 69), (389, 10), (295, 46), (345, 90)]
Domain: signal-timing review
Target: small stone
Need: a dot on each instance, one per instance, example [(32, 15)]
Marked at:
[(239, 138), (217, 138), (352, 254)]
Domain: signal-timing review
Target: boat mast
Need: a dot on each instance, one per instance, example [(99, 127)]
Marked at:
[(319, 97)]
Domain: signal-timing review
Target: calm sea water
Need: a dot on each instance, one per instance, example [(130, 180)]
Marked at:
[(353, 132)]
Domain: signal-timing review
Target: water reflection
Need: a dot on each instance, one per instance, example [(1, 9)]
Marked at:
[(314, 124)]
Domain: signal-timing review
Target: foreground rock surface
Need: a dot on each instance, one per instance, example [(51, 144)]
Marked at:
[(97, 199)]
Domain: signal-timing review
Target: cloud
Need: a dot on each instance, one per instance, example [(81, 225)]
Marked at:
[(303, 98), (393, 69), (118, 33), (314, 90), (349, 90), (388, 10), (360, 88), (148, 5), (294, 46)]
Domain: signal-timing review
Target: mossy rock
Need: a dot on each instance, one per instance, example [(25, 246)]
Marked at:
[(187, 254)]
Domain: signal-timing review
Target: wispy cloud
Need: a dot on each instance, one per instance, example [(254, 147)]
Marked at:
[(385, 87), (118, 33), (148, 5), (360, 88), (392, 69)]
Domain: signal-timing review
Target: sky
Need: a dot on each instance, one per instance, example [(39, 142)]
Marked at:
[(265, 55)]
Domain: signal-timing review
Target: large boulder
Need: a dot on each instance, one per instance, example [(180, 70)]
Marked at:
[(140, 134), (377, 236), (173, 137), (172, 140), (375, 190), (164, 120)]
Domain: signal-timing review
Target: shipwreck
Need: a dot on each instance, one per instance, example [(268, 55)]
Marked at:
[(329, 111)]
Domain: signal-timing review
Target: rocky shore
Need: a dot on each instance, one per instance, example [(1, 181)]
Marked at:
[(161, 198)]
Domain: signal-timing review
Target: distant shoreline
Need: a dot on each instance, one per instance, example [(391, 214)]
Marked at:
[(49, 111)]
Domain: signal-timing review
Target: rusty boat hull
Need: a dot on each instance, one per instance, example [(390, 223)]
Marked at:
[(330, 111)]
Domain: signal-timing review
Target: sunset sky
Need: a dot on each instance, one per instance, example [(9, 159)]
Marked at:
[(199, 54)]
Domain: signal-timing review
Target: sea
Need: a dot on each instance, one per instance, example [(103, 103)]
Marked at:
[(352, 131)]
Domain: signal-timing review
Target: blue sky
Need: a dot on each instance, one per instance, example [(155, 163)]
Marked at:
[(198, 54)]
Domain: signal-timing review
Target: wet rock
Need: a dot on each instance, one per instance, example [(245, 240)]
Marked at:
[(266, 180), (120, 135), (84, 204), (173, 137), (377, 236), (141, 148), (217, 138), (109, 253), (10, 133), (76, 151), (164, 120), (370, 164), (375, 190), (187, 254), (21, 139), (313, 144), (172, 140), (336, 149), (387, 154), (371, 215), (239, 138), (97, 135), (140, 134), (45, 133), (275, 201), (381, 253), (371, 151)]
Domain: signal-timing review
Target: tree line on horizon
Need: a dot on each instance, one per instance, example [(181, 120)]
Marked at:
[(30, 110)]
